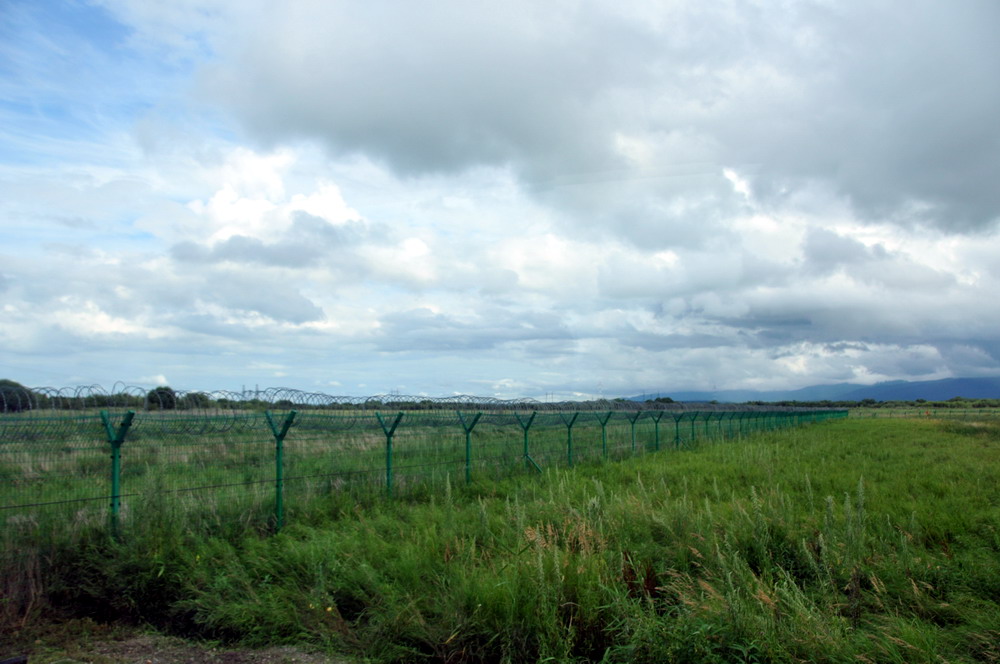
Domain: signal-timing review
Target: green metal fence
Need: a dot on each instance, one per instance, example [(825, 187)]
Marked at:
[(928, 412), (86, 464), (236, 466)]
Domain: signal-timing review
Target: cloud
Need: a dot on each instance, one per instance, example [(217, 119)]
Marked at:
[(801, 92), (826, 252), (422, 329), (308, 241), (570, 197), (158, 379)]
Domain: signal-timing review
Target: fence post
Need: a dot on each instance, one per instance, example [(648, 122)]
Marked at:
[(632, 419), (603, 419), (569, 435), (389, 430), (656, 417), (677, 429), (694, 433), (468, 426), (525, 425), (744, 416), (279, 465), (116, 436)]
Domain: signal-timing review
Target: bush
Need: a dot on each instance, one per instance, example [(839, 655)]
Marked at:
[(15, 398), (161, 398)]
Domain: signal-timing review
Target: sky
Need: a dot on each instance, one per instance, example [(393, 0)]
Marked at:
[(559, 199)]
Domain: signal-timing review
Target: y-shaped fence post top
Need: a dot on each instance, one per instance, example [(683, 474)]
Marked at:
[(116, 435), (569, 422), (468, 425), (279, 434), (526, 424), (389, 429)]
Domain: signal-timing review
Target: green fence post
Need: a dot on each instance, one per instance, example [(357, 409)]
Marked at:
[(116, 436), (603, 419), (744, 417), (728, 433), (525, 425), (389, 430), (632, 419), (468, 426), (677, 429), (279, 464), (569, 435), (656, 417)]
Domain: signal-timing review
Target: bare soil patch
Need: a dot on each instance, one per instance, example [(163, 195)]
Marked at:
[(159, 649)]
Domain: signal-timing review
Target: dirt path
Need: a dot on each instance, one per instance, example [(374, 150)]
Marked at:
[(157, 649)]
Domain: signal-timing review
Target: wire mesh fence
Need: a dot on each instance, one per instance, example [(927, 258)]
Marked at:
[(84, 463), (933, 411), (87, 457)]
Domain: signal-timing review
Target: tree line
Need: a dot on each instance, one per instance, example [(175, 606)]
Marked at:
[(15, 397)]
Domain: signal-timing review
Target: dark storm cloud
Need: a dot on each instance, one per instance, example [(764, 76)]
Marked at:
[(893, 106)]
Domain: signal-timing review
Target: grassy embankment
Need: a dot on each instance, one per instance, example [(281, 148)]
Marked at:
[(849, 541)]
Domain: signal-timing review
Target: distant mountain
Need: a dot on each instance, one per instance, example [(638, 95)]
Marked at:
[(896, 390), (932, 390)]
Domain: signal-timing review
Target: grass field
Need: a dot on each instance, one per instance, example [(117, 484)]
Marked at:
[(58, 472), (853, 540)]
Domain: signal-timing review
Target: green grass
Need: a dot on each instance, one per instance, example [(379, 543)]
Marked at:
[(855, 540), (55, 470)]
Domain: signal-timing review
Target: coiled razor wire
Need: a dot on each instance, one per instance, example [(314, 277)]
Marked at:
[(19, 399), (36, 412)]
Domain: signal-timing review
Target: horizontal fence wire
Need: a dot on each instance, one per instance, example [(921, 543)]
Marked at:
[(84, 463), (86, 458), (926, 412)]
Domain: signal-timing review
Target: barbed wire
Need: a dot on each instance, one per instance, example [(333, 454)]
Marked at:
[(219, 403)]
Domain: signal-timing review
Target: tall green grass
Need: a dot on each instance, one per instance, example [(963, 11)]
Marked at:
[(871, 541)]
